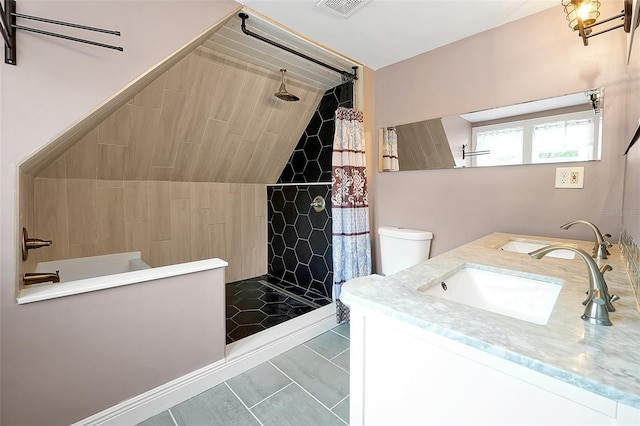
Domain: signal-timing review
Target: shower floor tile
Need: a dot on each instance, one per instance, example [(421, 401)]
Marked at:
[(258, 303)]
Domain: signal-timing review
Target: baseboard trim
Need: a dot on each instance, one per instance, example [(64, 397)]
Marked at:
[(240, 356)]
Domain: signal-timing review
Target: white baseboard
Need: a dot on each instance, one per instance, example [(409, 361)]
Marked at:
[(240, 357)]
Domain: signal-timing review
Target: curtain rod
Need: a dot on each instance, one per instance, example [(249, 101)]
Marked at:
[(349, 76)]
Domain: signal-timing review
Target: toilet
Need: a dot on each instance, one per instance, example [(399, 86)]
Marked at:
[(400, 248)]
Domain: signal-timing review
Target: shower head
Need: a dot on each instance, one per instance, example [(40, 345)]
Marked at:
[(283, 94)]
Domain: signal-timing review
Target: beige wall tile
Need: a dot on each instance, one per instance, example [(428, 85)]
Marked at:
[(82, 158), (137, 239), (173, 129), (160, 254), (266, 102), (83, 250), (199, 194), (160, 173), (181, 230), (238, 170), (268, 147), (277, 117), (217, 242), (52, 217), (83, 211), (233, 237), (110, 184), (111, 220), (252, 84), (199, 234), (261, 200), (145, 128), (159, 211), (221, 169), (180, 191), (136, 201), (209, 153), (261, 237), (181, 76), (152, 95), (111, 161), (218, 199), (26, 203), (56, 170), (115, 130), (199, 105), (230, 84), (185, 162)]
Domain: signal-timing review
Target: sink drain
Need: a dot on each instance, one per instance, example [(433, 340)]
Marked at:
[(443, 285)]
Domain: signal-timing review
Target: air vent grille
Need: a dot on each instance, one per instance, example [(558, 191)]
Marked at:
[(342, 8)]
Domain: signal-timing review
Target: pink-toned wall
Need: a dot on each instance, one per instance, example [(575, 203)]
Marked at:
[(630, 211), (536, 57), (63, 360)]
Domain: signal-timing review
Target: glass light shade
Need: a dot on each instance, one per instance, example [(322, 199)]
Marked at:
[(586, 10)]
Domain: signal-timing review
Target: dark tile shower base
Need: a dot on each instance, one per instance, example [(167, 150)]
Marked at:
[(258, 303)]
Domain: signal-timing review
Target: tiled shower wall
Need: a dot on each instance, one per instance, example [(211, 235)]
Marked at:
[(168, 222), (299, 237)]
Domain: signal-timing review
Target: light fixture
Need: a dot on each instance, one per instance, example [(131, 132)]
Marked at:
[(583, 14)]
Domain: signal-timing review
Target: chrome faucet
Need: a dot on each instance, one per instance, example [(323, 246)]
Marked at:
[(600, 246), (598, 303), (41, 277)]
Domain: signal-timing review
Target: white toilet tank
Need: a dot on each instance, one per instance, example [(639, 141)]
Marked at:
[(401, 248)]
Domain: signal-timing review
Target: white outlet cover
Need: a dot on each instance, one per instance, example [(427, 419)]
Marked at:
[(570, 177)]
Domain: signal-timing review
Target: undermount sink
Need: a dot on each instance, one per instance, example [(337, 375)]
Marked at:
[(529, 298), (523, 246)]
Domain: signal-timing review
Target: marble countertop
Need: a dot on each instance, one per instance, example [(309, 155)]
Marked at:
[(603, 360)]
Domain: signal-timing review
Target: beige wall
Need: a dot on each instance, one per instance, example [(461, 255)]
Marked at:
[(169, 222), (536, 57)]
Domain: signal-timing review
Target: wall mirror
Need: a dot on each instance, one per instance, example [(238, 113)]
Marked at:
[(562, 129)]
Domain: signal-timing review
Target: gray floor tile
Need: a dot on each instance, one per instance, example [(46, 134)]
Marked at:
[(342, 410), (324, 380), (293, 406), (342, 360), (217, 406), (343, 329), (162, 419), (258, 383), (328, 344)]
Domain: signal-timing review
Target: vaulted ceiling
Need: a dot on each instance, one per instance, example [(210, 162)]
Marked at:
[(212, 117)]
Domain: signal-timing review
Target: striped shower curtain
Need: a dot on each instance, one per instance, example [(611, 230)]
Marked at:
[(349, 205)]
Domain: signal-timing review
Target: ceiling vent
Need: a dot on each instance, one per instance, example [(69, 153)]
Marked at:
[(342, 8)]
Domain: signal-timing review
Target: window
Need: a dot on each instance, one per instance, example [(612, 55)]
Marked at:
[(559, 138)]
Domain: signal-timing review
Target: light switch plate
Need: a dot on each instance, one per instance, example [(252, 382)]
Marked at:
[(569, 177)]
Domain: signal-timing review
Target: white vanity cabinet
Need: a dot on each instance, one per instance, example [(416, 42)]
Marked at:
[(402, 374)]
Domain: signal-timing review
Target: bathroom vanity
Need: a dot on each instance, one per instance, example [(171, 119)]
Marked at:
[(419, 358)]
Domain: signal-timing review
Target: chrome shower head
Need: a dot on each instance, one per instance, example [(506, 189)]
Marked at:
[(283, 94)]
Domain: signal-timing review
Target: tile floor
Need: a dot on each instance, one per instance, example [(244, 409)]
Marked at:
[(307, 385), (258, 303)]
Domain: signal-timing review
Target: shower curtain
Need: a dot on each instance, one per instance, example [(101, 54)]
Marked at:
[(390, 150), (349, 205)]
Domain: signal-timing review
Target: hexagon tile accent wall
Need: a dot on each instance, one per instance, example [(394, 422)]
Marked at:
[(299, 249)]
